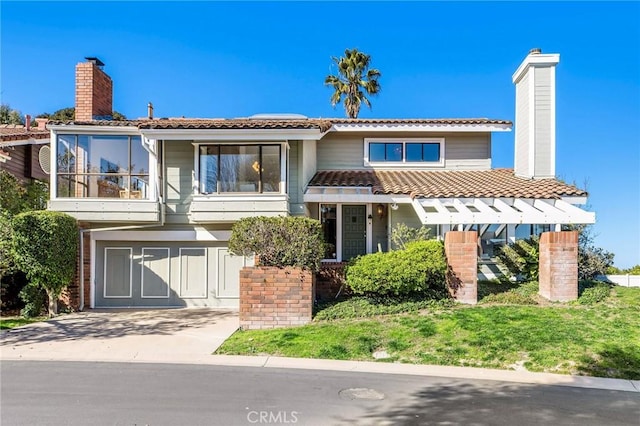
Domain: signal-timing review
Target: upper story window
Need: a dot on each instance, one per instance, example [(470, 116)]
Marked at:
[(399, 152), (101, 166), (239, 168)]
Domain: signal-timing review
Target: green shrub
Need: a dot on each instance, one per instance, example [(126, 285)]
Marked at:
[(279, 241), (521, 258), (34, 298), (44, 246), (591, 292), (421, 266), (401, 235)]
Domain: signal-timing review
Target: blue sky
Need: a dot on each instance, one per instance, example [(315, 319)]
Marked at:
[(206, 59)]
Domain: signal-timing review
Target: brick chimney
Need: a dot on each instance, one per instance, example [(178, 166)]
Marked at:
[(94, 91), (535, 146)]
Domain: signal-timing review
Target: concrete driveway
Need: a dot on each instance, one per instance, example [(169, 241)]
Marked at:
[(149, 335)]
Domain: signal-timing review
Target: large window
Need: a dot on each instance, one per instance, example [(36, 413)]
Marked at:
[(102, 167), (428, 151), (239, 168)]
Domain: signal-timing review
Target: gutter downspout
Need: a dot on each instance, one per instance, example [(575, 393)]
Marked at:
[(81, 305)]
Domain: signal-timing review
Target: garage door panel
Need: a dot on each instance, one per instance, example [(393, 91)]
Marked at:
[(229, 273), (155, 273), (117, 273), (193, 272)]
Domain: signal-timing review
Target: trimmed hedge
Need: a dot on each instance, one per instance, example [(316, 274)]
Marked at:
[(279, 241), (421, 266), (44, 246)]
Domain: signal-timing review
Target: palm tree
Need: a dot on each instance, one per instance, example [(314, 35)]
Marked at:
[(354, 81)]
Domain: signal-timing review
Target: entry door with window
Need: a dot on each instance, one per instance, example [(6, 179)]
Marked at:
[(354, 231)]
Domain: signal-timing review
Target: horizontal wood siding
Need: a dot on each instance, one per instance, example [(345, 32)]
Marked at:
[(405, 214), (179, 165), (468, 151), (463, 151), (17, 164), (543, 122), (341, 152)]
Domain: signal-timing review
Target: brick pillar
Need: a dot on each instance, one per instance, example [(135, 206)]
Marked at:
[(94, 92), (273, 297), (558, 273), (71, 296), (461, 249), (330, 280)]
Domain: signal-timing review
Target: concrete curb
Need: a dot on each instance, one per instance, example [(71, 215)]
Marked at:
[(525, 377), (431, 370)]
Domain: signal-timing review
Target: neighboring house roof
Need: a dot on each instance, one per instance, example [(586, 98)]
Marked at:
[(323, 124), (496, 183), (9, 133)]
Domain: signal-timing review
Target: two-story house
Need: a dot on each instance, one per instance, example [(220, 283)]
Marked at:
[(156, 198)]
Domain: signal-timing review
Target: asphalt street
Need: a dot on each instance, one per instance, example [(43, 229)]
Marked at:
[(90, 393)]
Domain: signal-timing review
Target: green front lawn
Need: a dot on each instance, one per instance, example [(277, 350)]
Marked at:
[(601, 339), (12, 322)]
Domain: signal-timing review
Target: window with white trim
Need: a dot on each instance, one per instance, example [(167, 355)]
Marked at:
[(101, 166), (239, 168), (404, 151)]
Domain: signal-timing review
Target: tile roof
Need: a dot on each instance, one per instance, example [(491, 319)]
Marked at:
[(417, 121), (17, 133), (322, 124), (237, 123), (495, 183)]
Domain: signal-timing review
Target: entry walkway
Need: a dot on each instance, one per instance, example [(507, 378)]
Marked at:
[(151, 335)]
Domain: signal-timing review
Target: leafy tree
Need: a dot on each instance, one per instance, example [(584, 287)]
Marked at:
[(592, 260), (44, 245), (69, 114), (10, 116), (353, 82)]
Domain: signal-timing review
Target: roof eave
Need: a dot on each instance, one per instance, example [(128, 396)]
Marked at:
[(360, 127), (232, 134)]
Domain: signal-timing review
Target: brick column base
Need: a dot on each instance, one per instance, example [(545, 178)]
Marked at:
[(461, 249), (70, 297), (558, 263), (273, 297), (330, 279)]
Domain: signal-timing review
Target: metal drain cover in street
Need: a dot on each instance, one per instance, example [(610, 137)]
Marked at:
[(361, 393)]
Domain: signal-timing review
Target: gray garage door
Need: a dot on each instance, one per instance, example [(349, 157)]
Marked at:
[(130, 274)]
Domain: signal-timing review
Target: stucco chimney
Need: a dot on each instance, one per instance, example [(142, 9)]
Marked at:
[(535, 146), (42, 123), (94, 91)]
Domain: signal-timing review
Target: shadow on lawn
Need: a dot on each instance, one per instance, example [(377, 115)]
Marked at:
[(111, 323), (499, 403), (614, 362)]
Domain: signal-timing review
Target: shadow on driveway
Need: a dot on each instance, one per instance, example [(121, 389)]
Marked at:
[(111, 324)]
